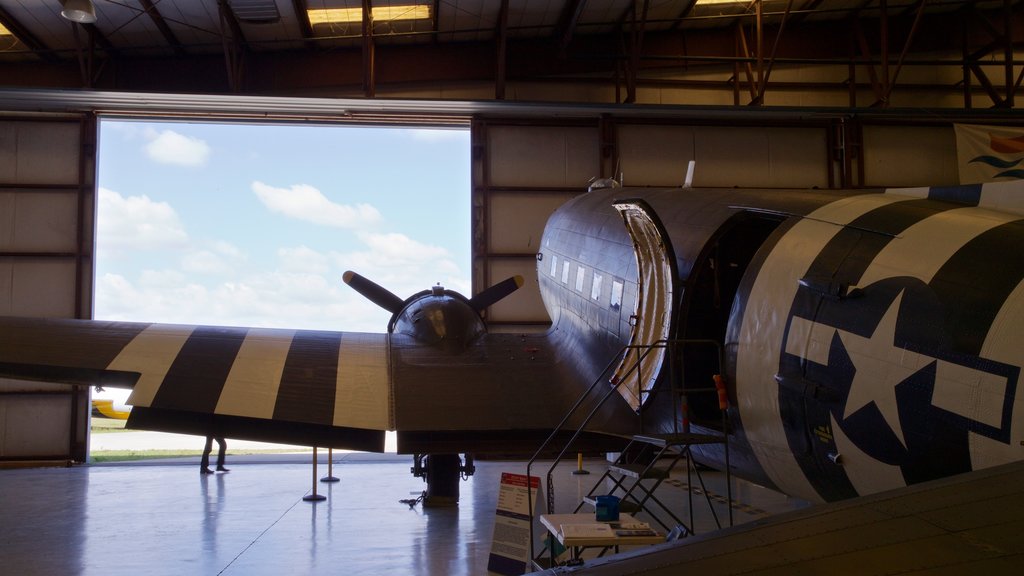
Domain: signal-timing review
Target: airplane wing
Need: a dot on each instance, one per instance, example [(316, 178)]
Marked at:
[(317, 388), (309, 387)]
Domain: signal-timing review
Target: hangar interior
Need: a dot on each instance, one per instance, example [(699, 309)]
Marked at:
[(523, 168), (759, 93)]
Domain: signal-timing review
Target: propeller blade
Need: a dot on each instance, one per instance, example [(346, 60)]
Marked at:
[(496, 292), (374, 292)]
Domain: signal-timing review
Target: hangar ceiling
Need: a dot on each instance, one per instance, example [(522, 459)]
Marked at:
[(861, 52)]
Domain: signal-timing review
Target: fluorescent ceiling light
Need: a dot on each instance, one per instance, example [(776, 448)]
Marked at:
[(377, 14), (709, 2)]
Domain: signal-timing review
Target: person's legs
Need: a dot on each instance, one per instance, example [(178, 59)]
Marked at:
[(223, 446), (204, 463)]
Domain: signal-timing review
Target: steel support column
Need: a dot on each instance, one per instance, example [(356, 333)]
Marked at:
[(763, 82), (759, 23), (608, 159), (906, 48), (1008, 52), (866, 58), (636, 41), (480, 199), (85, 56), (233, 45), (745, 56), (369, 49), (501, 53), (1000, 38), (883, 23)]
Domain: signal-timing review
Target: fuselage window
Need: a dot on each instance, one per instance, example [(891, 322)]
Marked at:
[(554, 266), (581, 275), (616, 299), (565, 272), (595, 290)]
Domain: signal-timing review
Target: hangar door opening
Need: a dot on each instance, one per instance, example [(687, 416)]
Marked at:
[(233, 224)]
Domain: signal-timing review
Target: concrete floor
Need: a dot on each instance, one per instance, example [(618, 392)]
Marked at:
[(163, 517)]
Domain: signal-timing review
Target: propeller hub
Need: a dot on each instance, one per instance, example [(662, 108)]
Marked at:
[(439, 318), (436, 317)]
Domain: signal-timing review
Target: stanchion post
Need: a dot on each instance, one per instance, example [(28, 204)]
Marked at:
[(579, 471), (330, 467), (314, 497)]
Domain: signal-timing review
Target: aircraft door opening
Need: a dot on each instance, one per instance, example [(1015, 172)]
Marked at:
[(652, 317), (711, 300)]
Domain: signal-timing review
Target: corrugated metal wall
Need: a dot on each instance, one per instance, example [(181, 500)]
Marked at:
[(47, 175), (524, 169)]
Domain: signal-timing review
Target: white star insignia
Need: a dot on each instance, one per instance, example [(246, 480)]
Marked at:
[(880, 366)]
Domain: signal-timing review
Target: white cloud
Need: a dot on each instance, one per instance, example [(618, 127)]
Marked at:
[(228, 249), (220, 258), (274, 299), (136, 222), (404, 265), (304, 202), (303, 259), (216, 284), (158, 278), (154, 298), (204, 262), (170, 147), (398, 249), (303, 290)]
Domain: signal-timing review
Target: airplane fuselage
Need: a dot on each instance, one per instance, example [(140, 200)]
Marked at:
[(869, 338)]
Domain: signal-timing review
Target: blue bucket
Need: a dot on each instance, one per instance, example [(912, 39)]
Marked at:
[(607, 508)]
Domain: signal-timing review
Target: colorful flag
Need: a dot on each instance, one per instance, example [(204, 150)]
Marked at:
[(989, 153)]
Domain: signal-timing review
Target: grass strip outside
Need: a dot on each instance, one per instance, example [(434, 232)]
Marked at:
[(130, 455)]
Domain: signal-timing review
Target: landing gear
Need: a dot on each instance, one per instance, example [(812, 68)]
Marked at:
[(442, 473)]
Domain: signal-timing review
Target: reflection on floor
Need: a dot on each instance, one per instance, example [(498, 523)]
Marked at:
[(163, 517)]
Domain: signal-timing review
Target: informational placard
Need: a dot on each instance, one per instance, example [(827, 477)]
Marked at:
[(510, 546)]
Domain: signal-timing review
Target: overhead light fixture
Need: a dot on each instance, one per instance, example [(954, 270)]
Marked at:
[(81, 11), (709, 2), (4, 31), (377, 14), (255, 11)]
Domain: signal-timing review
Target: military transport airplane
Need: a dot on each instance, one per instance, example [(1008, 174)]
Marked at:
[(871, 340)]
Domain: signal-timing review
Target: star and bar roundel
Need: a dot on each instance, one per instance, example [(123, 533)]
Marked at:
[(899, 359)]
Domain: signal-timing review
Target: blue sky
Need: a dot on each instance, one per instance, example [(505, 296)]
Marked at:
[(253, 225)]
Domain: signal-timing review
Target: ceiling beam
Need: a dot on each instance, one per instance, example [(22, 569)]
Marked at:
[(687, 8), (96, 36), (501, 53), (763, 82), (229, 16), (527, 59), (233, 45), (27, 38), (638, 25), (369, 52), (806, 10), (435, 25), (906, 49), (302, 17), (566, 26), (162, 26)]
